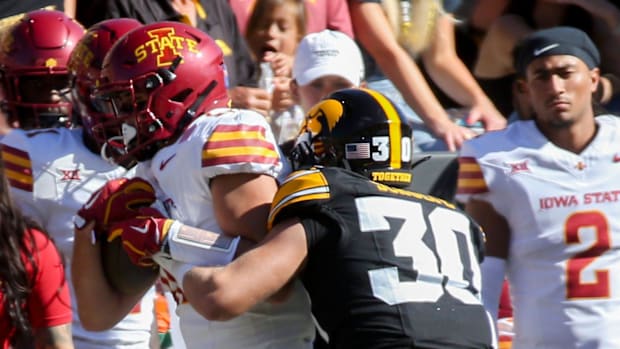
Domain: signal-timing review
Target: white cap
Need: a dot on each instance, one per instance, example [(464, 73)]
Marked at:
[(328, 52)]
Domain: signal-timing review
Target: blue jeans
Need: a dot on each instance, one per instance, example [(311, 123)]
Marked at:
[(423, 138)]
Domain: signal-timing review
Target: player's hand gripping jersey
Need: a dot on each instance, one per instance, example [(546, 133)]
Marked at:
[(563, 212), (386, 261), (52, 174), (225, 141)]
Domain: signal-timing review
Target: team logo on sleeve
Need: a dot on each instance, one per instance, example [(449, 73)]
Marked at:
[(69, 175), (518, 167)]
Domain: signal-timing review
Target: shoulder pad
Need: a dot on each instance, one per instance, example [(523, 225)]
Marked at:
[(301, 188)]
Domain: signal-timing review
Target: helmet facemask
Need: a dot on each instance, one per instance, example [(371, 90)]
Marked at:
[(37, 99)]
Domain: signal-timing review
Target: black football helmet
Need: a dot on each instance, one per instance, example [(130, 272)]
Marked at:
[(360, 130)]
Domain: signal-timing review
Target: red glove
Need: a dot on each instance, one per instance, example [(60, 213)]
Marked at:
[(142, 235), (117, 200)]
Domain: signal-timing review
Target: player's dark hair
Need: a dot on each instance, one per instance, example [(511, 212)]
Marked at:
[(15, 238)]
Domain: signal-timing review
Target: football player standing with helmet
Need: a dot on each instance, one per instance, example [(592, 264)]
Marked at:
[(213, 167), (34, 53), (384, 267), (53, 171)]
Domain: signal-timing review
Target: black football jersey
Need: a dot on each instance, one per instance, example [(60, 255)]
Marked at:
[(386, 268)]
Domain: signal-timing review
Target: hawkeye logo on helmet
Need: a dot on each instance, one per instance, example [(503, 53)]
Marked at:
[(166, 45)]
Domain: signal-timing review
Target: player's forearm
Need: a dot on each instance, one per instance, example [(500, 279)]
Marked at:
[(99, 306), (226, 292)]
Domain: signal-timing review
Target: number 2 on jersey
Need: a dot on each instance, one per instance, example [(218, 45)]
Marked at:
[(580, 264), (444, 265)]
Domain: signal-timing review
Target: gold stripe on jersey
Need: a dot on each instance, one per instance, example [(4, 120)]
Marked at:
[(237, 151), (395, 128), (239, 143), (17, 168), (470, 179), (227, 136), (299, 186)]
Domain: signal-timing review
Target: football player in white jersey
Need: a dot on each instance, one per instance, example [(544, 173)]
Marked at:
[(53, 171), (213, 167), (545, 191)]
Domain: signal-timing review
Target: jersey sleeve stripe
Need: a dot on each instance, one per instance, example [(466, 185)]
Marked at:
[(321, 193), (15, 156), (238, 142), (239, 154), (230, 144), (18, 168), (239, 128), (470, 178), (299, 186), (227, 136)]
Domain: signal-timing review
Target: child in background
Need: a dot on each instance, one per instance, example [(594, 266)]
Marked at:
[(324, 62), (274, 31)]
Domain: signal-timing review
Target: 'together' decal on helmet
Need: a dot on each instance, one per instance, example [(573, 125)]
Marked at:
[(166, 45)]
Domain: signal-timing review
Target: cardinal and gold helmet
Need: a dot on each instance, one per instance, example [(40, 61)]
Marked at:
[(34, 53), (156, 79)]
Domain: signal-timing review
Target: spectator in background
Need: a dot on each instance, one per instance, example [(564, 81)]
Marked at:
[(214, 17), (404, 84), (321, 14), (598, 18), (15, 7), (275, 29), (325, 62), (562, 166), (35, 307)]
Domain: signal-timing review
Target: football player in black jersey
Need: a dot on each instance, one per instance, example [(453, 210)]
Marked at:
[(384, 267)]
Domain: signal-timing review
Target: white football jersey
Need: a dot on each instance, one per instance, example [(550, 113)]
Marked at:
[(563, 210), (52, 173), (225, 141)]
